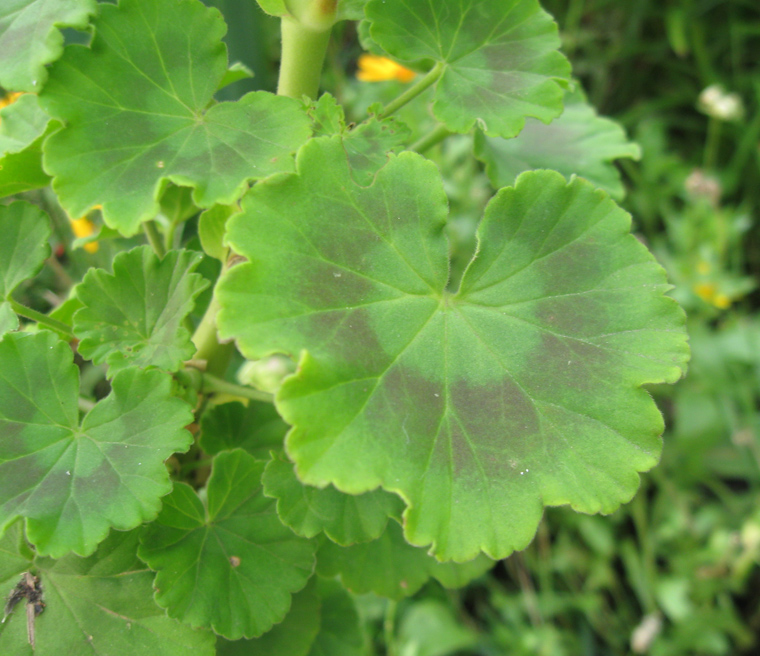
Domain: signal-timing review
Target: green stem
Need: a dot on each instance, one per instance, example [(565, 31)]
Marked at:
[(389, 628), (432, 138), (412, 92), (154, 238), (213, 383), (303, 54), (40, 318), (713, 143)]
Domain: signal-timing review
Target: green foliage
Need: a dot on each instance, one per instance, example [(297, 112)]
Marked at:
[(405, 340)]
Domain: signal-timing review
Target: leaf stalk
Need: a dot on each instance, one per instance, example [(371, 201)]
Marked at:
[(415, 90), (42, 319), (303, 54)]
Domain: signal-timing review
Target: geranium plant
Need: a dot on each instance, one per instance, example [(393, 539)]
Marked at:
[(399, 418)]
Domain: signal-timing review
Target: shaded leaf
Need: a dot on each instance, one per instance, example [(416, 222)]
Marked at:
[(429, 628), (24, 246), (255, 428), (96, 606), (579, 142), (29, 38), (211, 226), (21, 123), (344, 518), (229, 564), (293, 636), (137, 115), (340, 633), (391, 567), (500, 59), (74, 482), (133, 317), (476, 407)]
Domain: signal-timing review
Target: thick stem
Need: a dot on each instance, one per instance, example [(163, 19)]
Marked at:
[(303, 54), (154, 238), (212, 383), (412, 92), (40, 318), (432, 138)]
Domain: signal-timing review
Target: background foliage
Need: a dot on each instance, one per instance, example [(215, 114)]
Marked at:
[(675, 571)]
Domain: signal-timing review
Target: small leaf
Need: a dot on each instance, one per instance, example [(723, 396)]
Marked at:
[(29, 38), (24, 245), (229, 565), (8, 318), (340, 631), (21, 123), (236, 72), (500, 58), (344, 518), (294, 636), (579, 142), (476, 407), (398, 569), (137, 115), (134, 316), (101, 605), (430, 628), (211, 225), (74, 482), (255, 428), (22, 171)]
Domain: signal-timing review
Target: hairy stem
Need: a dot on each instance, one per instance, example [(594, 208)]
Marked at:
[(415, 90), (41, 319), (154, 238), (212, 383), (303, 54), (432, 138)]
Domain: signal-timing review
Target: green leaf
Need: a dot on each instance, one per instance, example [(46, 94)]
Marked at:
[(255, 428), (236, 72), (133, 317), (274, 7), (478, 407), (211, 225), (332, 11), (137, 114), (8, 318), (74, 482), (29, 38), (578, 142), (229, 565), (21, 123), (429, 628), (344, 518), (24, 246), (22, 171), (500, 59), (340, 633), (293, 636), (96, 606), (397, 568)]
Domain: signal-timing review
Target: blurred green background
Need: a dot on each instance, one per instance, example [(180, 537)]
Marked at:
[(674, 572)]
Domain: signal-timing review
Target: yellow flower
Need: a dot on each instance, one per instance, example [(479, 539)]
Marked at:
[(9, 99), (709, 293), (83, 227), (379, 69)]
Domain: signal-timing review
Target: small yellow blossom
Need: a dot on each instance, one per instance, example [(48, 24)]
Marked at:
[(709, 293), (9, 99), (373, 68), (83, 227)]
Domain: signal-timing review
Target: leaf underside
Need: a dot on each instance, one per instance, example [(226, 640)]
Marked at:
[(522, 389), (24, 246)]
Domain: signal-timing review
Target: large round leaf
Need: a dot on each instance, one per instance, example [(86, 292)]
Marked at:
[(500, 59), (74, 482), (136, 108), (134, 316), (29, 38), (478, 406), (96, 606), (229, 565)]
